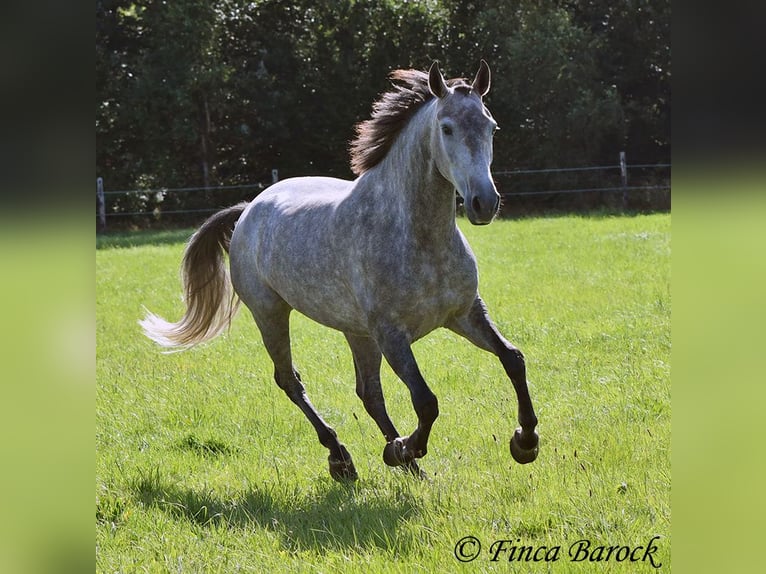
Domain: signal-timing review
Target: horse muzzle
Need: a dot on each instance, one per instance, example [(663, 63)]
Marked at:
[(482, 203)]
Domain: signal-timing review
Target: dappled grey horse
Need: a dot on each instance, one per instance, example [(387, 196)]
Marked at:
[(379, 258)]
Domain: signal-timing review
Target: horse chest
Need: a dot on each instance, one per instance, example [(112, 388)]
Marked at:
[(420, 294)]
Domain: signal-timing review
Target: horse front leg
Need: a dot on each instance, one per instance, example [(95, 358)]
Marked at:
[(402, 451), (478, 328)]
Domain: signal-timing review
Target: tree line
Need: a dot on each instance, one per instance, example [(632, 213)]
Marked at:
[(204, 93)]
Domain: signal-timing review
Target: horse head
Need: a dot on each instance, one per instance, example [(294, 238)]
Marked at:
[(462, 141)]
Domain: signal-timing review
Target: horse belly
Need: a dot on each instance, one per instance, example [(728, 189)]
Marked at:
[(326, 302)]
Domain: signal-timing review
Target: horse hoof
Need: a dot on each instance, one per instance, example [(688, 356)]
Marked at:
[(395, 453), (342, 469), (527, 452)]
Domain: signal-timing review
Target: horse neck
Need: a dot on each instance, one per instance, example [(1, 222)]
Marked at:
[(409, 173)]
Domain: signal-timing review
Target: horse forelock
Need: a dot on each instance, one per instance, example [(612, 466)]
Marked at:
[(390, 113)]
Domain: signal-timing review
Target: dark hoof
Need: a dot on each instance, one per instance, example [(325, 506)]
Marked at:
[(342, 469), (395, 453), (524, 450)]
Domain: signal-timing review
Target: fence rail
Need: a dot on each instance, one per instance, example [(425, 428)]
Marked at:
[(183, 189), (640, 186), (587, 190), (513, 184), (589, 168)]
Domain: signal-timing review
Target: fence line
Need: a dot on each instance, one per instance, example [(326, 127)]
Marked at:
[(207, 210), (590, 168), (585, 190), (624, 188), (183, 189)]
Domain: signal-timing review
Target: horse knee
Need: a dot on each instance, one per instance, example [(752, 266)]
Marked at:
[(513, 362)]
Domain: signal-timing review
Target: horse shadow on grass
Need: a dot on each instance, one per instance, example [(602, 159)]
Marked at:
[(323, 517)]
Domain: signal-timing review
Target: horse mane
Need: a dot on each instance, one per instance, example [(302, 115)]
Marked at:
[(390, 113)]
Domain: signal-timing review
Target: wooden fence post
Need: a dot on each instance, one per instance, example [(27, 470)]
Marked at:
[(624, 180), (100, 205)]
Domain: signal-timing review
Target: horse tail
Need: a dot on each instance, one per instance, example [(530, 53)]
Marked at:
[(211, 302)]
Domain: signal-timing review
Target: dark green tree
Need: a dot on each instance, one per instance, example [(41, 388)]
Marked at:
[(203, 93), (632, 54), (546, 94)]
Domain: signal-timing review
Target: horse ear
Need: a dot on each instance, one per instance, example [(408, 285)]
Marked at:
[(482, 80), (436, 82)]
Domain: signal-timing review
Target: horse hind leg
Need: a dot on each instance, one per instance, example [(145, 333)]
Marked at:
[(340, 462), (274, 327), (367, 359)]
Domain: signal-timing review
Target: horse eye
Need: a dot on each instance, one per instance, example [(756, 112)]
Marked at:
[(446, 130)]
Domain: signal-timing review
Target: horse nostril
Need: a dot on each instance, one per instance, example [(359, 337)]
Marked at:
[(476, 205)]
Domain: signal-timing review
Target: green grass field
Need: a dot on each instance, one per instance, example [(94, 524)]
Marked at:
[(203, 465)]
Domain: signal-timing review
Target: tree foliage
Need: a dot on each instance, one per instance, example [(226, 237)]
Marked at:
[(215, 92)]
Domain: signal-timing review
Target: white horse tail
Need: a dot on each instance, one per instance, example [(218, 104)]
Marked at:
[(211, 302)]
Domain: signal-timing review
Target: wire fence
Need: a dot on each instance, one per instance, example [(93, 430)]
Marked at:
[(621, 186), (615, 187)]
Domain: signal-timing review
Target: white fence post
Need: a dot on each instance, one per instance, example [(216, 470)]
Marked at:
[(100, 205), (274, 175)]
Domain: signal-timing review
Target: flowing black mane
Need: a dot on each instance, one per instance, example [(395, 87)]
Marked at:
[(390, 114)]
